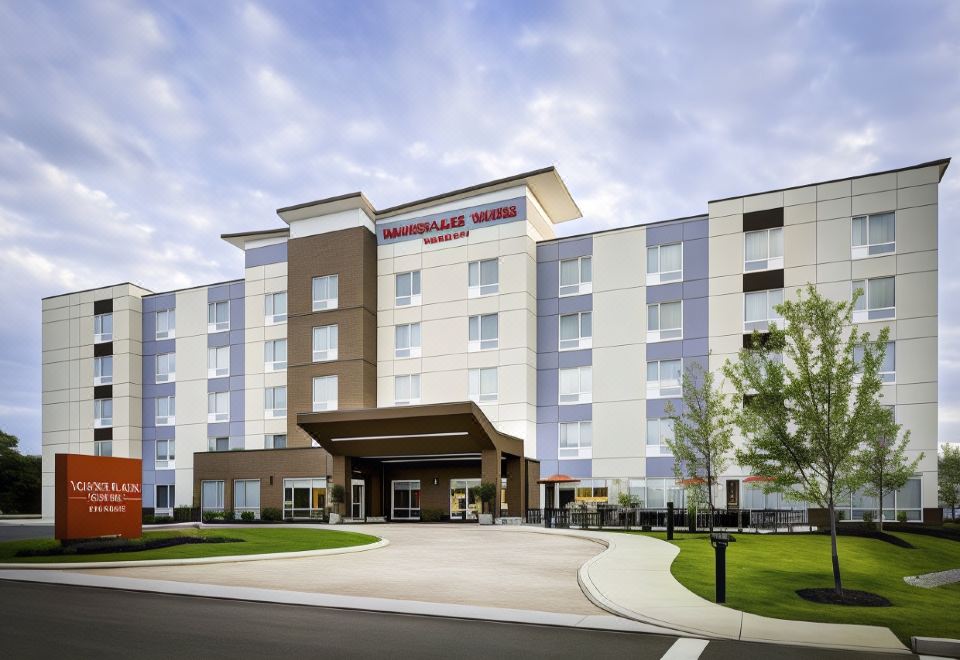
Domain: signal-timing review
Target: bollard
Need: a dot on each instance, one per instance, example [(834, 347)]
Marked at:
[(669, 521), (719, 541)]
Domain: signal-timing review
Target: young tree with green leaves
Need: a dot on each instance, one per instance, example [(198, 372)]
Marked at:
[(809, 406), (948, 477), (19, 478), (882, 463), (702, 432)]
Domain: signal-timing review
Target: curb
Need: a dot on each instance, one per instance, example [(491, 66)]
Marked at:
[(60, 566)]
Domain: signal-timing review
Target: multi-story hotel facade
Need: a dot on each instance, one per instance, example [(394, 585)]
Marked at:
[(410, 353)]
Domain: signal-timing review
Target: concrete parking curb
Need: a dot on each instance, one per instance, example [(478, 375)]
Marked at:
[(60, 566)]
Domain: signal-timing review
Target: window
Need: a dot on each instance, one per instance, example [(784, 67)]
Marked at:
[(878, 300), (102, 328), (763, 250), (874, 234), (663, 378), (166, 368), (103, 447), (211, 495), (246, 496), (907, 499), (592, 490), (218, 316), (576, 331), (576, 276), (408, 288), (166, 411), (407, 340), (758, 308), (576, 440), (102, 413), (103, 370), (576, 385), (325, 393), (325, 292), (664, 321), (483, 385), (275, 355), (483, 278), (275, 441), (664, 263), (218, 444), (304, 498), (406, 390), (888, 370), (165, 497), (166, 324), (218, 407), (218, 361), (659, 430), (325, 341), (484, 332), (275, 401), (166, 450), (275, 308)]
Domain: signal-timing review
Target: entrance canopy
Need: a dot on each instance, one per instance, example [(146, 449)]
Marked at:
[(442, 429)]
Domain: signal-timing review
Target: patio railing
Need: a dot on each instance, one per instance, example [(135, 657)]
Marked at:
[(616, 517)]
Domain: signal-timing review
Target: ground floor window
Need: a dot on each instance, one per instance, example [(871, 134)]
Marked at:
[(165, 499), (211, 495), (592, 491), (405, 501), (503, 496), (907, 500), (246, 496), (464, 504), (304, 497)]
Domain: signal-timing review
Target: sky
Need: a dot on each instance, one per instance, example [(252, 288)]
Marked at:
[(132, 135)]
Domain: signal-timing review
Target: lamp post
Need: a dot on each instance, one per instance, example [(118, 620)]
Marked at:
[(669, 521), (720, 541)]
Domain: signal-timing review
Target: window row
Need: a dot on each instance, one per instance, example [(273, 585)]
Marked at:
[(877, 302), (246, 496)]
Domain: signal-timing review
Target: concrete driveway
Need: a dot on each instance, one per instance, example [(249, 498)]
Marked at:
[(462, 564)]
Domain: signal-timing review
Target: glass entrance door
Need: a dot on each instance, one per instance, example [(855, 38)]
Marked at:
[(356, 499), (464, 504), (406, 500)]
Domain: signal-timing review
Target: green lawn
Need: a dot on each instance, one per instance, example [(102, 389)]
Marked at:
[(764, 571), (261, 540)]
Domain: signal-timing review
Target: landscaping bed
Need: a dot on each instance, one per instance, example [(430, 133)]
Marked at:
[(245, 541), (765, 571), (106, 546)]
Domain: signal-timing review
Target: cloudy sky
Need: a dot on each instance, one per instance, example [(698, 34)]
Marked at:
[(132, 135)]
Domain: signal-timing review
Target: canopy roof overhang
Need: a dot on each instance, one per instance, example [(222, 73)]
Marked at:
[(442, 429)]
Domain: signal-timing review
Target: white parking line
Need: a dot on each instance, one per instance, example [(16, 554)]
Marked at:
[(685, 648)]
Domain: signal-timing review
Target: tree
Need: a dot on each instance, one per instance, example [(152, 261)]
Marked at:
[(20, 490), (882, 464), (948, 477), (808, 406), (337, 496), (702, 433), (485, 492)]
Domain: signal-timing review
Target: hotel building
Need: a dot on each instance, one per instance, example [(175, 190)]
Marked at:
[(410, 353)]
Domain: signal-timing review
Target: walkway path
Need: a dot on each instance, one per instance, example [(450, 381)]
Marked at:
[(931, 580), (632, 579)]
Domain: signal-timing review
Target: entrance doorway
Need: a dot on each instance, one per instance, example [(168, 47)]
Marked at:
[(733, 493), (405, 500), (358, 491), (463, 499)]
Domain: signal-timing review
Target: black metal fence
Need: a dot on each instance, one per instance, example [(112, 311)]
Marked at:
[(616, 517)]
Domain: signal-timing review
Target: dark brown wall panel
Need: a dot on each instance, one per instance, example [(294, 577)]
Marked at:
[(767, 219), (767, 279), (261, 464), (105, 348), (103, 306)]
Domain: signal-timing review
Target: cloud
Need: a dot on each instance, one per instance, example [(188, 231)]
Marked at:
[(132, 134)]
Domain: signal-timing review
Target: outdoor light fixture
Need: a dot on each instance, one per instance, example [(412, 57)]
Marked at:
[(436, 481)]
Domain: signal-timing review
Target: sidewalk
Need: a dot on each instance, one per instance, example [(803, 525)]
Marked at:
[(632, 579)]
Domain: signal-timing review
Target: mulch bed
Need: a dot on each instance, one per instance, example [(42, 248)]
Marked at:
[(849, 597), (109, 546)]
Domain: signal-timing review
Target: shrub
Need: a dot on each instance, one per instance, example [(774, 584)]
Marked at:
[(184, 514), (841, 514), (148, 519), (271, 513), (868, 519), (212, 516), (247, 516), (162, 520), (229, 516), (431, 515), (337, 495), (901, 516)]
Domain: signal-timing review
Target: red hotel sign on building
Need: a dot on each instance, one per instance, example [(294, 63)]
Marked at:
[(453, 225), (98, 496)]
